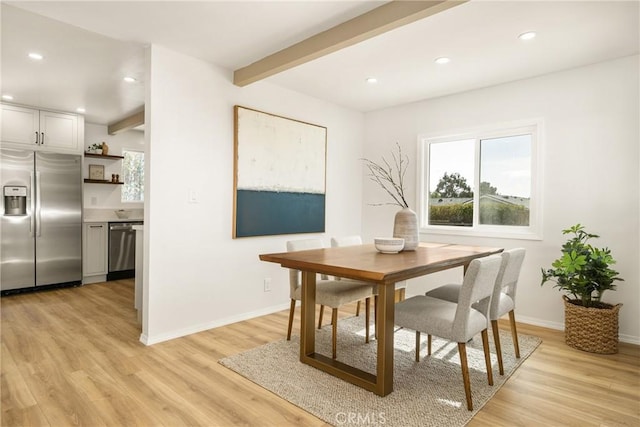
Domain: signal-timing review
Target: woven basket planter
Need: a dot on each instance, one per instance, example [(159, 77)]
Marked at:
[(591, 329)]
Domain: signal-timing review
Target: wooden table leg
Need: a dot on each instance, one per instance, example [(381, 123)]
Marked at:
[(384, 324), (382, 382), (308, 315)]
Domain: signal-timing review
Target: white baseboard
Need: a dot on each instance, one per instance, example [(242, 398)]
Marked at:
[(155, 339), (147, 340), (630, 339), (558, 326), (94, 279)]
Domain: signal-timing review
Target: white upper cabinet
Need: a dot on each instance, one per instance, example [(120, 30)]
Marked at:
[(42, 130), (20, 125), (59, 131)]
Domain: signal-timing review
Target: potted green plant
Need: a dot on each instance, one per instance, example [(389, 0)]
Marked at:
[(584, 272), (95, 149)]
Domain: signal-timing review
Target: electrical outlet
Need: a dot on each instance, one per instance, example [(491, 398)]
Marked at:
[(267, 284), (193, 196)]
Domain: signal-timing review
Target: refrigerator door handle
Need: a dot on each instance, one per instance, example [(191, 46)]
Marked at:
[(37, 212), (33, 216)]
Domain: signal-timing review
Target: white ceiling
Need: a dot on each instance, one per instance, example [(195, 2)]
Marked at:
[(86, 60)]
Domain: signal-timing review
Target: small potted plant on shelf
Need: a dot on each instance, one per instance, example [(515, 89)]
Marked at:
[(95, 149), (584, 272)]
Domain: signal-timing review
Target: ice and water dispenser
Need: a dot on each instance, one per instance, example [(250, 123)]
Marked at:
[(15, 200)]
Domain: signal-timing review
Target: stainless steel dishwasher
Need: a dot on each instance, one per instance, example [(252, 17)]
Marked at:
[(122, 250)]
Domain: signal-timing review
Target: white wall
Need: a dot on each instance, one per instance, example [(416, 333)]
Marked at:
[(99, 196), (196, 275), (591, 162)]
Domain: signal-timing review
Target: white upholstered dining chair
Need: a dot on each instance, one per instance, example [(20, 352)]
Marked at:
[(458, 322), (503, 300), (332, 293)]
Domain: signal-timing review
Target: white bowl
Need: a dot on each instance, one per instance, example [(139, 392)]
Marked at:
[(123, 213), (389, 245)]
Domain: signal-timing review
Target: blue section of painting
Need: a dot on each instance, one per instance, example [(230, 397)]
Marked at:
[(265, 213)]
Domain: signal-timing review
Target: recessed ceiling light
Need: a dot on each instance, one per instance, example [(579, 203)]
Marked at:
[(527, 36), (36, 56), (371, 80), (80, 110), (442, 60), (129, 79), (7, 97)]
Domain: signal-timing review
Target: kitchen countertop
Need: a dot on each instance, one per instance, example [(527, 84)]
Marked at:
[(109, 215)]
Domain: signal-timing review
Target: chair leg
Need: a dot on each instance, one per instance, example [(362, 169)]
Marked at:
[(514, 333), (375, 315), (292, 309), (367, 307), (402, 293), (496, 339), (428, 345), (334, 324), (462, 350), (487, 356), (418, 346), (358, 309), (320, 316)]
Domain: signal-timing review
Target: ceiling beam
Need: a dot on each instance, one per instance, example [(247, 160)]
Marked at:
[(127, 123), (375, 22)]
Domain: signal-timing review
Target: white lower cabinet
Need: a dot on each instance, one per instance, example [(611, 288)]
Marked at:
[(94, 252)]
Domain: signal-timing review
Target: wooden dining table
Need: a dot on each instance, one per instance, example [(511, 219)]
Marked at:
[(365, 263)]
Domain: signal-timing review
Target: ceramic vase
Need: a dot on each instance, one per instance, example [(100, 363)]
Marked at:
[(405, 226)]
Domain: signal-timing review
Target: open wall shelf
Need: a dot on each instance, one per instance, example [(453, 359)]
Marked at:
[(103, 156), (101, 181)]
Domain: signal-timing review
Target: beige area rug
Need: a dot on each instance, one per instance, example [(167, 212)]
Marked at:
[(428, 393)]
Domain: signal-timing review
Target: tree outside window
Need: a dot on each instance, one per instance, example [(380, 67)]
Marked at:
[(133, 171)]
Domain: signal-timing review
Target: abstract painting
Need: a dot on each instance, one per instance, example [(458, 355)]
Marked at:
[(279, 175)]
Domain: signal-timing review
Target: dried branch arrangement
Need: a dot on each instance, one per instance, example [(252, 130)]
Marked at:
[(390, 176)]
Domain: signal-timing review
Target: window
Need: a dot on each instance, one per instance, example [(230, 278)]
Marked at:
[(482, 183), (133, 170)]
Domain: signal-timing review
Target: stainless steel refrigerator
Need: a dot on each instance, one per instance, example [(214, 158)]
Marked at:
[(41, 225)]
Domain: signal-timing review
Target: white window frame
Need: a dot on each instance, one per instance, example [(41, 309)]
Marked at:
[(534, 230), (133, 150)]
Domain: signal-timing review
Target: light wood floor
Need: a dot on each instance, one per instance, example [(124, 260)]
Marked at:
[(72, 357)]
